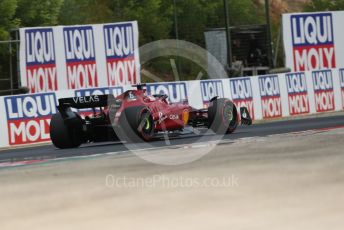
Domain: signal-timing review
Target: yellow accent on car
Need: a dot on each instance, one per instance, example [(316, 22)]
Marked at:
[(185, 116)]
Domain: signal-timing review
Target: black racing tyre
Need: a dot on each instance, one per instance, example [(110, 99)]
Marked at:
[(223, 116), (137, 124), (62, 136)]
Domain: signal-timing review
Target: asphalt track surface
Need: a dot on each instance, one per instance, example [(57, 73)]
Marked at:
[(47, 152)]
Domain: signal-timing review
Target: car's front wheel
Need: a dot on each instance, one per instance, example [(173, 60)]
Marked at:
[(223, 116)]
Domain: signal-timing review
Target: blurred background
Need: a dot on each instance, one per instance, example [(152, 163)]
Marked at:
[(254, 29)]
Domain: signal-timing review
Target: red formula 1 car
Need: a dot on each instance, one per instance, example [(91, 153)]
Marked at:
[(135, 116)]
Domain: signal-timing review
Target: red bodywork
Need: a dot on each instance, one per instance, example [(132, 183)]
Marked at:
[(166, 116), (129, 111)]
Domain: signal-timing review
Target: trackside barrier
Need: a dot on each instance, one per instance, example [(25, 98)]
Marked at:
[(313, 40), (79, 56), (24, 119)]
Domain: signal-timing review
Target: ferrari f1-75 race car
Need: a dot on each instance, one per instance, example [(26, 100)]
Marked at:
[(135, 116)]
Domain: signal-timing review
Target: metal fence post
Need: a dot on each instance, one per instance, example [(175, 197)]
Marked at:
[(270, 46), (11, 71), (228, 36), (18, 57)]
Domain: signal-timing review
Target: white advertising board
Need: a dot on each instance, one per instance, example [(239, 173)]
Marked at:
[(313, 41), (25, 119), (76, 57)]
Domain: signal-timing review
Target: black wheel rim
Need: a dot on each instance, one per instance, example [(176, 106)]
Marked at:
[(228, 114)]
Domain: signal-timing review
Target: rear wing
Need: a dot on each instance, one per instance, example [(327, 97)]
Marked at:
[(94, 101)]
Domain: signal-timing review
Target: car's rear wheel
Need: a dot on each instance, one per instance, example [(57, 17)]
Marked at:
[(61, 135), (137, 123), (223, 116)]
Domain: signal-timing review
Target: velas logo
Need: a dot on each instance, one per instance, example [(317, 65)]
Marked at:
[(323, 90), (241, 90), (297, 93), (211, 89), (28, 117), (120, 54), (176, 92), (341, 76), (270, 96), (41, 72), (313, 41), (116, 91), (80, 57)]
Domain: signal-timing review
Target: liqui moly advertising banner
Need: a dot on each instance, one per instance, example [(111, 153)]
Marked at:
[(28, 117), (115, 91), (121, 54), (211, 89), (313, 41), (242, 96), (323, 90), (80, 57), (176, 91), (77, 57), (270, 96), (341, 78), (40, 72), (298, 100)]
